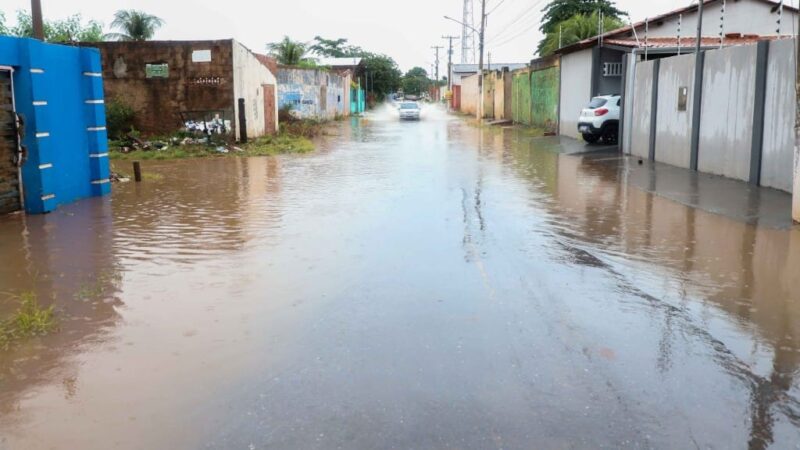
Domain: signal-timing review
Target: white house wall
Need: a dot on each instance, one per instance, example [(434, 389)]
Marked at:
[(742, 16), (779, 117), (576, 89), (250, 78), (641, 111), (674, 131), (726, 123)]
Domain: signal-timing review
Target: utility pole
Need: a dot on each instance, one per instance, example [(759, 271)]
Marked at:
[(38, 22), (436, 49), (436, 89), (450, 62), (481, 36)]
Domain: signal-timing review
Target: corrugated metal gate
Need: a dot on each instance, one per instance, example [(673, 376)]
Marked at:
[(9, 172)]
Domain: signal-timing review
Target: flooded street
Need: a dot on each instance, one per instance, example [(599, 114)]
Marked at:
[(410, 285)]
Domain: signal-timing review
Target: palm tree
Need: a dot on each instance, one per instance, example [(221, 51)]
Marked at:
[(289, 52), (134, 25), (575, 29)]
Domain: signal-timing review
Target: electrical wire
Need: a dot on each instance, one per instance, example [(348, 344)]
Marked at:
[(509, 28), (495, 7)]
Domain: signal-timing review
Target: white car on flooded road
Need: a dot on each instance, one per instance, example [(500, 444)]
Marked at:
[(409, 111), (600, 119)]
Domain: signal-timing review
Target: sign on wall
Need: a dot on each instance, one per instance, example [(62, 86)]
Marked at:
[(157, 70), (201, 56)]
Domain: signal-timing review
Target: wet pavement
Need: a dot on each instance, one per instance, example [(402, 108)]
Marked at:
[(410, 285)]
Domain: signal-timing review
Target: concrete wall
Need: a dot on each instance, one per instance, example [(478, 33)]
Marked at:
[(741, 16), (488, 95), (641, 110), (726, 125), (59, 91), (576, 78), (501, 91), (674, 131), (728, 100), (250, 79), (544, 85), (469, 95), (521, 96), (312, 93), (190, 86), (779, 117)]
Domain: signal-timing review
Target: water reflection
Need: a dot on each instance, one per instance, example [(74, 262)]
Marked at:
[(423, 284), (67, 259), (749, 273)]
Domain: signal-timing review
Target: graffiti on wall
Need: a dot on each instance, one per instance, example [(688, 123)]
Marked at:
[(311, 93)]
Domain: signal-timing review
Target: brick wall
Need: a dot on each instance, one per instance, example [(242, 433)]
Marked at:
[(193, 84)]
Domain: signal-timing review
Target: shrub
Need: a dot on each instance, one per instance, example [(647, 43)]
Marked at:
[(119, 118)]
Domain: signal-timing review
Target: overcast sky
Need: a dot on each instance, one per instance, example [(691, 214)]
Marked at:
[(405, 30)]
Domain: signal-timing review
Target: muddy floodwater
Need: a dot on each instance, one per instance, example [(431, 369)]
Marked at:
[(424, 285)]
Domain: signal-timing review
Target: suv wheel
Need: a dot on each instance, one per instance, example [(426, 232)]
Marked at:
[(591, 138)]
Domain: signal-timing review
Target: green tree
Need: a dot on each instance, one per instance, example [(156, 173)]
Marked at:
[(416, 81), (384, 75), (558, 11), (134, 25), (4, 31), (575, 29), (71, 29), (291, 53), (334, 48)]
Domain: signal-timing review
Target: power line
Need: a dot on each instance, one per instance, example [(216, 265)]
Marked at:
[(496, 6), (528, 14)]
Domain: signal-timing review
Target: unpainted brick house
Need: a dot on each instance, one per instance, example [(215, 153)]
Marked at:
[(168, 83)]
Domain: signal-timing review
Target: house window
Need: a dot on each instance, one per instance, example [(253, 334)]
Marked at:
[(612, 69)]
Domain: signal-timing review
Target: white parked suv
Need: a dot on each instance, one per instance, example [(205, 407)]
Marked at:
[(600, 119)]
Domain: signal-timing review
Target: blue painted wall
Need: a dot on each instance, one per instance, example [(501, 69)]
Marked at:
[(358, 101), (58, 90)]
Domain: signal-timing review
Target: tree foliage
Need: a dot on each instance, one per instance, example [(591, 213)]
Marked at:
[(291, 53), (4, 31), (575, 29), (558, 11), (416, 81), (334, 48), (71, 29), (134, 25), (384, 75)]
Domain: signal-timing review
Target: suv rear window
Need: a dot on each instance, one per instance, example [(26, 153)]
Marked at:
[(597, 102)]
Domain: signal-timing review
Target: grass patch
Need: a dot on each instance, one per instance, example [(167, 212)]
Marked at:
[(30, 320), (282, 143)]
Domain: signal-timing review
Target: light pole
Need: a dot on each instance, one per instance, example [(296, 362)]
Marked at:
[(480, 49)]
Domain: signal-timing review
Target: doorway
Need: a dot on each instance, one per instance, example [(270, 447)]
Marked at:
[(10, 187), (269, 108)]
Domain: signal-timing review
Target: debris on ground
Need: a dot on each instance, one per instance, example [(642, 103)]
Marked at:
[(116, 177)]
